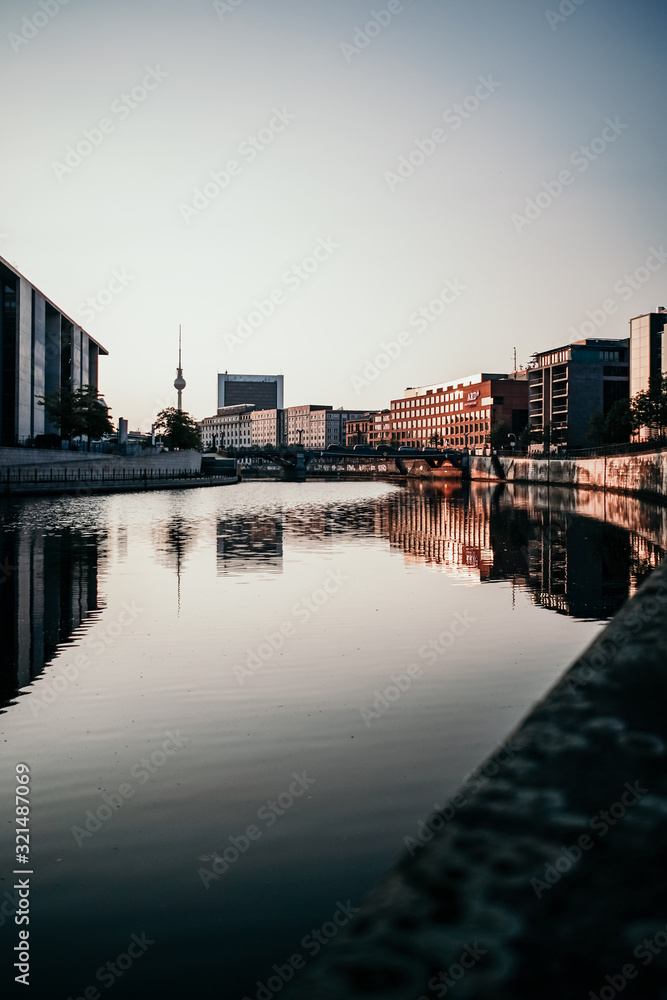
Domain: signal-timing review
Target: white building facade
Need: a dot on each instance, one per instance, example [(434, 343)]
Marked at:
[(231, 427)]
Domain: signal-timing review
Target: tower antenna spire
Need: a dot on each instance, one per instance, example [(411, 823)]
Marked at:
[(179, 381)]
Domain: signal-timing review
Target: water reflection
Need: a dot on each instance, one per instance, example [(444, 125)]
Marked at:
[(577, 553), (244, 545), (48, 590)]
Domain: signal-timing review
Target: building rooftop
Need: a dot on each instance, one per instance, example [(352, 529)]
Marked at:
[(11, 267), (453, 384)]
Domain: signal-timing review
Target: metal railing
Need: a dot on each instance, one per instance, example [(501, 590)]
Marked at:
[(596, 451), (27, 476)]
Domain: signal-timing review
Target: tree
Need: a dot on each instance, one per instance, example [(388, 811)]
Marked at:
[(499, 436), (181, 431), (649, 408), (93, 416), (59, 407), (77, 412), (436, 440), (524, 438), (618, 422), (596, 427)]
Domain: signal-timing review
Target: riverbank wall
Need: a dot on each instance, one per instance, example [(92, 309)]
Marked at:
[(125, 482), (544, 874), (643, 474), (43, 458)]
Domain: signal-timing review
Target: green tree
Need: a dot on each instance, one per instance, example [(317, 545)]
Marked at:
[(59, 407), (596, 427), (618, 422), (180, 430), (499, 436), (649, 408), (93, 416), (524, 438), (77, 412)]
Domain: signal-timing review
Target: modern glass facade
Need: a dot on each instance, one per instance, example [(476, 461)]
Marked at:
[(41, 349), (265, 391), (647, 356)]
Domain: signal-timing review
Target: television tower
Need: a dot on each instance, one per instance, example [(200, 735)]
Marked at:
[(179, 381)]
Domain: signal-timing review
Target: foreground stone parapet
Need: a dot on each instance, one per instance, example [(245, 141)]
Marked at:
[(547, 876)]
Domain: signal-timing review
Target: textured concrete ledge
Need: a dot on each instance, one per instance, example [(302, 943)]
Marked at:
[(640, 473), (547, 876)]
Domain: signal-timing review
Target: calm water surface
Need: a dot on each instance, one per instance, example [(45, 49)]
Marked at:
[(186, 654)]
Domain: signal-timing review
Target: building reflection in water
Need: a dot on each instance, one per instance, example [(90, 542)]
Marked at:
[(578, 553), (48, 590), (246, 544), (553, 543)]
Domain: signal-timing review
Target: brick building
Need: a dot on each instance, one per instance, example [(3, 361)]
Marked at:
[(461, 413)]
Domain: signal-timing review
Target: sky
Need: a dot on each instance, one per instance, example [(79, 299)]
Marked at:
[(362, 197)]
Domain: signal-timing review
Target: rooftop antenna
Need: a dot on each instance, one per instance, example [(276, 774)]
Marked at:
[(179, 381), (515, 362)]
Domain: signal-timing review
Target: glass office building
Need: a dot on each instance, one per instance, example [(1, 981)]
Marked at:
[(41, 349)]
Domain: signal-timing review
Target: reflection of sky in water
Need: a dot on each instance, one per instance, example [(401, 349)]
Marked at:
[(171, 597)]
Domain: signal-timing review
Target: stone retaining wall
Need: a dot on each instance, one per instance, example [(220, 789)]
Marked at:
[(644, 473), (42, 458)]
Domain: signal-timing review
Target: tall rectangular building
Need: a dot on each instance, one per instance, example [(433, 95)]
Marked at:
[(265, 391), (41, 349), (648, 349), (571, 383)]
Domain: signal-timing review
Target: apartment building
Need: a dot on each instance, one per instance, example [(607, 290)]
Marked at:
[(571, 383), (231, 427), (460, 413)]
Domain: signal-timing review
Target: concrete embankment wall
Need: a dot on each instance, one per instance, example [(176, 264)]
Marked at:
[(643, 473), (42, 458), (544, 875)]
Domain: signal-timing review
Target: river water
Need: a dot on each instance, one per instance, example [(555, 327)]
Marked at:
[(236, 703)]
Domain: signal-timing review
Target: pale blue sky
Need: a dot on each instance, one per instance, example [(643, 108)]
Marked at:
[(321, 182)]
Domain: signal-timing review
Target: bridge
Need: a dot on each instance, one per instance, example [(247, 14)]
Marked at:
[(297, 462)]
